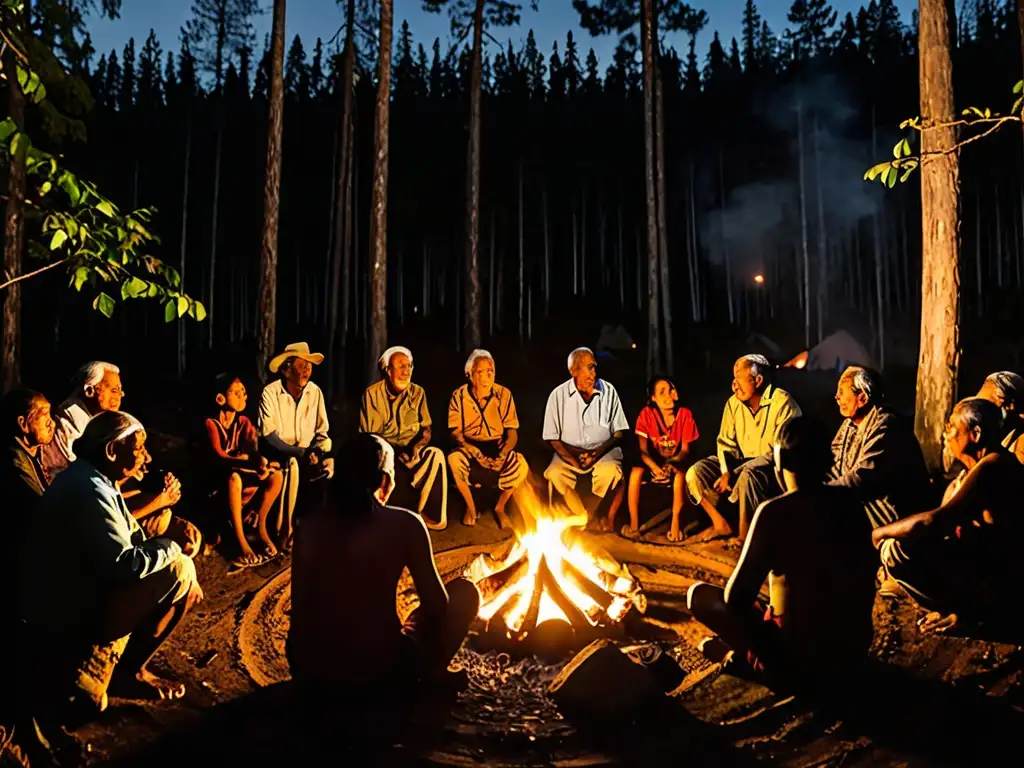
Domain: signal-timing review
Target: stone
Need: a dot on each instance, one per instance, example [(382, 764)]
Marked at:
[(602, 680)]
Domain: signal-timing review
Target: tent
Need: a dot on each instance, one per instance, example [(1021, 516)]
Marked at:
[(833, 353)]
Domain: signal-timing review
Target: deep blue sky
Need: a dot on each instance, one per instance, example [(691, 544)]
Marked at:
[(321, 18)]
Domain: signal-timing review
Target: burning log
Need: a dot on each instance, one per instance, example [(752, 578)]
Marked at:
[(573, 614), (586, 586), (493, 585), (529, 620)]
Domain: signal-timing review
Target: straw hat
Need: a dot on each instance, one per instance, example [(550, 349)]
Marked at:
[(300, 350)]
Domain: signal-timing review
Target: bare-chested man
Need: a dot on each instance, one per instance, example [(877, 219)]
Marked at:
[(961, 560), (345, 632), (812, 545)]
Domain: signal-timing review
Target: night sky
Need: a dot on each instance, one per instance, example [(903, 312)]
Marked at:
[(321, 18)]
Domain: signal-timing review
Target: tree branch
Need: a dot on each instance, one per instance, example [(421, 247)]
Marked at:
[(13, 47), (27, 275)]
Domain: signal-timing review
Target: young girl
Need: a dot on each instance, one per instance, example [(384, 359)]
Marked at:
[(664, 431), (236, 464)]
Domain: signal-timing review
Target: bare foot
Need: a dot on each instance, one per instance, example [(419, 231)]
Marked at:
[(146, 685), (674, 535), (938, 624), (269, 548), (470, 517), (711, 534), (503, 521)]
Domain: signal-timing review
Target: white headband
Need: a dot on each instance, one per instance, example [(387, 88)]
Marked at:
[(568, 362), (385, 359)]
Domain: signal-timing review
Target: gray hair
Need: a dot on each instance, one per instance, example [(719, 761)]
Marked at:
[(571, 360), (758, 364), (92, 373), (1008, 384), (983, 415), (102, 430), (864, 380), (385, 359), (477, 354)]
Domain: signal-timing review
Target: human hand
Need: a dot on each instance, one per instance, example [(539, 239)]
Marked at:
[(659, 474), (329, 468), (722, 484), (195, 594), (404, 458), (586, 459), (171, 494), (313, 457), (242, 456), (262, 468), (876, 538)]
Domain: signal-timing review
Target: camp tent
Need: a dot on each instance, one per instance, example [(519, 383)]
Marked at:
[(833, 353)]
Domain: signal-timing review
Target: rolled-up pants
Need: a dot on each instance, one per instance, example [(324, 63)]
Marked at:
[(754, 482), (605, 475)]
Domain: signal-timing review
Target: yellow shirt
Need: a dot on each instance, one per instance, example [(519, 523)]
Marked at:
[(746, 435), (399, 420), (486, 421)]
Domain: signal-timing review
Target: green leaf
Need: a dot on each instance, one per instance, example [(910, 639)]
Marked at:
[(1017, 105), (182, 305), (198, 311), (69, 184), (873, 172), (59, 238), (134, 288), (81, 275), (1019, 87), (19, 140), (891, 178), (170, 311), (106, 208), (105, 304), (45, 188), (7, 127), (910, 168)]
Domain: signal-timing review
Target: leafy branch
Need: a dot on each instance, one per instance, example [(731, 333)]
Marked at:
[(905, 162), (81, 230)]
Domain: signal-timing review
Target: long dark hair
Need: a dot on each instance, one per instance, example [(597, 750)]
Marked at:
[(653, 382)]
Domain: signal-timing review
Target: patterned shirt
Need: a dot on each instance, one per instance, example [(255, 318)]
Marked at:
[(397, 419), (749, 435), (570, 419), (482, 422)]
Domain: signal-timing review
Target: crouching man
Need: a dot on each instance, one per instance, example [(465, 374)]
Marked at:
[(88, 574), (344, 640)]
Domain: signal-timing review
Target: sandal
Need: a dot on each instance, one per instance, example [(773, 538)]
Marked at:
[(242, 562), (674, 541), (631, 534)]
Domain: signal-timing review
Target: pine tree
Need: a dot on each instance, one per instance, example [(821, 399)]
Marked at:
[(815, 33), (296, 72), (572, 66), (592, 80), (556, 80), (751, 35), (170, 79), (716, 66), (535, 69), (316, 70), (404, 73), (151, 86), (734, 58), (126, 94), (691, 73), (768, 48), (112, 86), (216, 30)]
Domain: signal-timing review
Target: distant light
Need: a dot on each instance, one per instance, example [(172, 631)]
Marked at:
[(759, 279), (801, 363), (634, 345)]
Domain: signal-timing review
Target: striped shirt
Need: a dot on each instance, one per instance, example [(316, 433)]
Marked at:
[(570, 419), (482, 421)]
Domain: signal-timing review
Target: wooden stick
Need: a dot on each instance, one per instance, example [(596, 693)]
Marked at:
[(655, 521), (491, 586), (575, 616), (585, 585), (530, 619)]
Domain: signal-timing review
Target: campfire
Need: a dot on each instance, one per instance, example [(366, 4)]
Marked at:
[(551, 583)]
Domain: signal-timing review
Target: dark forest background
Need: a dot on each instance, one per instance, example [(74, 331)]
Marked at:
[(751, 127)]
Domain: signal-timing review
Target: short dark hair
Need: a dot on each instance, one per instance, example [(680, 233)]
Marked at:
[(17, 404), (805, 448), (363, 460)]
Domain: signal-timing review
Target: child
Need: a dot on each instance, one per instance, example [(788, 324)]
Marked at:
[(237, 464), (664, 431)]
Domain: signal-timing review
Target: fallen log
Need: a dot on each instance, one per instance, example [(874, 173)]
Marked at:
[(491, 586)]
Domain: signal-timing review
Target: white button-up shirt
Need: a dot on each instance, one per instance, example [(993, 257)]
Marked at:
[(301, 424), (568, 418)]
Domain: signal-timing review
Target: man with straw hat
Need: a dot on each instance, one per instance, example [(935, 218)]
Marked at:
[(293, 428)]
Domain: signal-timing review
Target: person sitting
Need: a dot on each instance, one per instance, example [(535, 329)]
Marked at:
[(96, 388), (485, 428), (26, 419), (664, 430), (293, 429), (151, 499), (395, 408), (584, 424), (235, 465), (1005, 389), (353, 639), (960, 560), (743, 464), (102, 577), (875, 452), (811, 544)]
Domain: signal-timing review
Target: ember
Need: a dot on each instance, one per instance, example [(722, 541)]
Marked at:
[(551, 578)]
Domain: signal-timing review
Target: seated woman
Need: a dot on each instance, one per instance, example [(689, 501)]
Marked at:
[(665, 430), (811, 545), (235, 465)]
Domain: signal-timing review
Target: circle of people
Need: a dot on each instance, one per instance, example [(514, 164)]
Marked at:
[(108, 525)]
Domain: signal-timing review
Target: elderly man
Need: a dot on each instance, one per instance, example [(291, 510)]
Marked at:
[(485, 429), (396, 409), (95, 388), (743, 464), (875, 452), (1005, 389), (293, 427), (102, 578), (584, 423), (29, 428), (346, 641), (962, 559)]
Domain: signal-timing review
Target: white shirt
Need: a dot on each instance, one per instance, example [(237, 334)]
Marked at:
[(70, 419), (573, 421), (301, 423)]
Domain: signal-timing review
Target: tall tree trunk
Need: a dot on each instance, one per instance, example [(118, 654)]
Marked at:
[(547, 247), (647, 33), (491, 276), (823, 276), (659, 168), (583, 239), (272, 195), (379, 201), (522, 253), (211, 285), (181, 328), (472, 333), (803, 222), (14, 227), (727, 261), (940, 223)]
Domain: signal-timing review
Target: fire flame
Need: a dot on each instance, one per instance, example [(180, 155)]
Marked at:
[(800, 361), (597, 589)]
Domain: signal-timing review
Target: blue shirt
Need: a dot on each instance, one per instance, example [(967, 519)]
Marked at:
[(82, 544)]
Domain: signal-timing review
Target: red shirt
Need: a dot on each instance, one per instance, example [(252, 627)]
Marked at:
[(666, 440), (240, 437)]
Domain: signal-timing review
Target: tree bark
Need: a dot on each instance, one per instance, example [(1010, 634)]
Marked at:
[(939, 356), (379, 201), (647, 32), (14, 230), (803, 224), (272, 195), (659, 168), (182, 334), (472, 332)]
